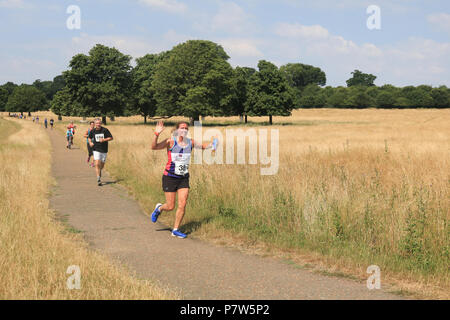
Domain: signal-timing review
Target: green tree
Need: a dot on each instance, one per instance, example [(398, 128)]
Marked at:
[(195, 80), (58, 84), (313, 97), (143, 98), (241, 84), (358, 98), (408, 94), (388, 96), (419, 97), (45, 87), (361, 79), (10, 86), (61, 103), (300, 75), (386, 99), (441, 97), (5, 91), (339, 98), (402, 102), (269, 93), (3, 98), (100, 82), (26, 98)]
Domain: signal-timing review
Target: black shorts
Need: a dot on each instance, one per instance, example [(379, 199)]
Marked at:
[(171, 184), (90, 150)]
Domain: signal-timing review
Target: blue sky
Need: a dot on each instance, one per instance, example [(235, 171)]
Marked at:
[(411, 48)]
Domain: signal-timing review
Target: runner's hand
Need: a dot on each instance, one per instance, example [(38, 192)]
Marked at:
[(91, 144), (159, 127)]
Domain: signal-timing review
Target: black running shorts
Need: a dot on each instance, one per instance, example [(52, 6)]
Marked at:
[(171, 184)]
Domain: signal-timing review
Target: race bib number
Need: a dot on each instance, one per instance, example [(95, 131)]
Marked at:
[(181, 169), (182, 163), (99, 136)]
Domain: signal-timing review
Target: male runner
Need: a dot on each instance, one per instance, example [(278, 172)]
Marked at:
[(98, 139)]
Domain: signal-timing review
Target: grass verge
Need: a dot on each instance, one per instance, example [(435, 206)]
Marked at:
[(35, 249)]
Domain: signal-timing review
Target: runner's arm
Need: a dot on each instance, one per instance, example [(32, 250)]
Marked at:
[(108, 135), (160, 145), (203, 146), (90, 137), (107, 139)]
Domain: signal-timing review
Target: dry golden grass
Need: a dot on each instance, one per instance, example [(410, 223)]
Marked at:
[(354, 188), (36, 250)]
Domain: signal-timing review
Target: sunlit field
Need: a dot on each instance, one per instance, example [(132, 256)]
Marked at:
[(354, 188), (35, 249)]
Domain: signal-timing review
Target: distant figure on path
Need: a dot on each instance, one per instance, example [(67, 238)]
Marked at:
[(51, 123), (72, 128), (89, 148), (69, 137), (45, 123), (98, 139)]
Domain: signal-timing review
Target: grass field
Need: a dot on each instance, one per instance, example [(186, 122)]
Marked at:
[(35, 249), (354, 188)]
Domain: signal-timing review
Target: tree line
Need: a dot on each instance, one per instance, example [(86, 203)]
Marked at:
[(362, 93), (195, 79)]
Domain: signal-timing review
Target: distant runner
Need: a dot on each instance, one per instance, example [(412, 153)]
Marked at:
[(89, 148), (72, 128), (69, 137), (98, 139), (51, 124), (45, 123), (175, 179)]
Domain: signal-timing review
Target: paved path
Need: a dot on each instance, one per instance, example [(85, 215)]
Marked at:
[(114, 224)]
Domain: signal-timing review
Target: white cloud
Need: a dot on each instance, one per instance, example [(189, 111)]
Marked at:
[(440, 21), (13, 4), (399, 6), (134, 46), (231, 18), (419, 60), (172, 6), (414, 61), (298, 30), (14, 69), (241, 47), (173, 38)]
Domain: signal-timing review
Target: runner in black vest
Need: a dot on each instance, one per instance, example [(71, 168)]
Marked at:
[(98, 140)]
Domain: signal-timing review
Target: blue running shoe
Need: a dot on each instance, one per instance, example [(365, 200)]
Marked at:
[(156, 213), (178, 234)]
